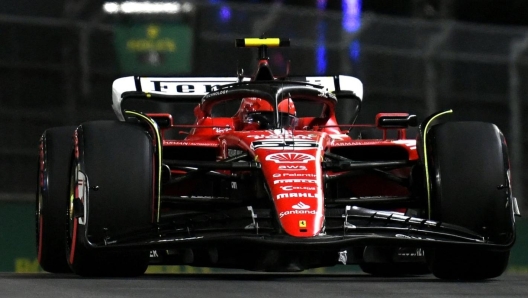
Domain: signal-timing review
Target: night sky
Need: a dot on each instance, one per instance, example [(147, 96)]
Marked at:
[(501, 12)]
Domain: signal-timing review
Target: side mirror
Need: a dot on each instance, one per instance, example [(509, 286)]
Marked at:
[(163, 120), (395, 120)]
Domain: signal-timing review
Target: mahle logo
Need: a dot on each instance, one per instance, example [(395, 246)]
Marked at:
[(297, 195)]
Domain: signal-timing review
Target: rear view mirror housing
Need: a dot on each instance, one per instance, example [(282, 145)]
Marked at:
[(163, 120), (395, 120)]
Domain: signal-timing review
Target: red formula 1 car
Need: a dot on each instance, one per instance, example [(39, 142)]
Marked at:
[(270, 174)]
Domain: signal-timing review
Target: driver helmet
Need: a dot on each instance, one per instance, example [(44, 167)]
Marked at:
[(252, 105), (257, 113), (287, 106), (287, 114)]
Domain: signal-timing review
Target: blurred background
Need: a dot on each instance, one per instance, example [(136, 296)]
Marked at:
[(58, 59)]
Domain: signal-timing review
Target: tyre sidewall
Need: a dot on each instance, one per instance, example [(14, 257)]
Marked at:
[(52, 198)]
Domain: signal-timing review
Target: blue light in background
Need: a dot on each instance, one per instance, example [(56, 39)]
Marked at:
[(354, 50), (351, 15), (225, 13), (321, 4), (321, 59), (352, 23), (320, 52)]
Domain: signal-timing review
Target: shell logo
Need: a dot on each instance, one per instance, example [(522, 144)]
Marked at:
[(290, 157)]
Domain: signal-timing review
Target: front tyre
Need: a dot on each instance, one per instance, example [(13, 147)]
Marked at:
[(393, 261), (470, 187), (111, 196), (468, 264)]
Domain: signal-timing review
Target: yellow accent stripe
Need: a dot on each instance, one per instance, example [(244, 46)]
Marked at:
[(257, 42), (427, 181), (158, 141)]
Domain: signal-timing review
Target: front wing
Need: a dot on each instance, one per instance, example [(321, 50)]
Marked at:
[(345, 228)]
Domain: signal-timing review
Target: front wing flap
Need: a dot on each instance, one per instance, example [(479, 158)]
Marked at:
[(351, 226)]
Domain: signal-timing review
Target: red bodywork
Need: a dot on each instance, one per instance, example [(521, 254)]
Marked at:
[(294, 175)]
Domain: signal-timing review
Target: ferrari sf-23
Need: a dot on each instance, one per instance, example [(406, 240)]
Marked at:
[(271, 173)]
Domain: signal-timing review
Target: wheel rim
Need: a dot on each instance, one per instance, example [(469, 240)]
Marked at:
[(78, 189), (70, 233), (42, 184)]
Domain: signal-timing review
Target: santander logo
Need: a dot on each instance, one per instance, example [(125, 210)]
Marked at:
[(290, 157), (301, 206)]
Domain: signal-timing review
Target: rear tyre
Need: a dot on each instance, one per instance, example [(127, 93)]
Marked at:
[(52, 198), (469, 172), (111, 196)]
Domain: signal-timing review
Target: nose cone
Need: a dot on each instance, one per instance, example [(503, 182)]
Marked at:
[(295, 181)]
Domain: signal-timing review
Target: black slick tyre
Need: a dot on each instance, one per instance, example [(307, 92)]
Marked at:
[(470, 187), (112, 196), (390, 261), (52, 198)]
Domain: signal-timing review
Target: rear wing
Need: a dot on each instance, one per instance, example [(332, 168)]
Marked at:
[(197, 87)]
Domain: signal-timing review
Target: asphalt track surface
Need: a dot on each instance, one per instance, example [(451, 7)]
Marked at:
[(255, 285)]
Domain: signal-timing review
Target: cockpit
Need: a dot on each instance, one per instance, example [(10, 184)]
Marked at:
[(268, 106)]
